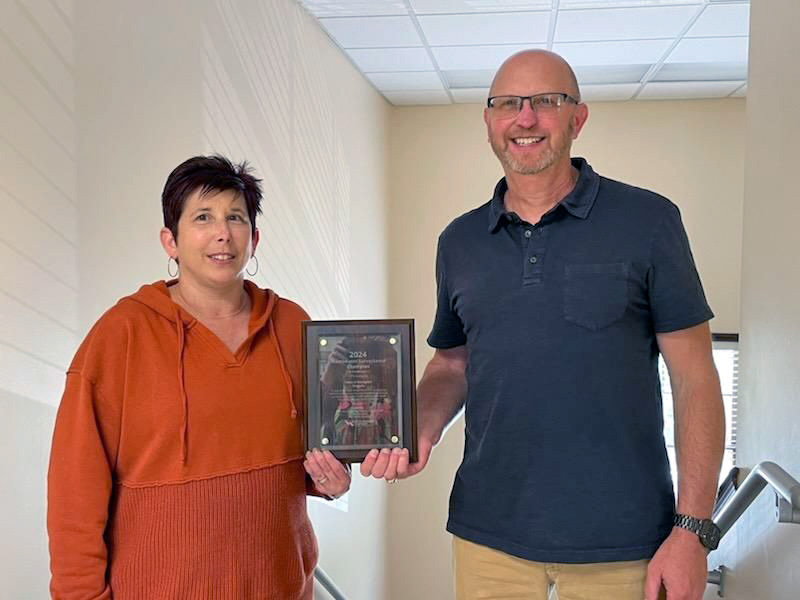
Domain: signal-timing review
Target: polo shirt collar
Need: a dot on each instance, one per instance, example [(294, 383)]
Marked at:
[(578, 202)]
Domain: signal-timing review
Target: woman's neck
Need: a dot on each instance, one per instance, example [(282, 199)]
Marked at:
[(210, 304)]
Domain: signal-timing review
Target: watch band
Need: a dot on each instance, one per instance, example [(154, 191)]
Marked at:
[(687, 522), (706, 530)]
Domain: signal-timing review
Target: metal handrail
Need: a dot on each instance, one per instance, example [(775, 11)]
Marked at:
[(787, 509), (326, 582), (786, 487)]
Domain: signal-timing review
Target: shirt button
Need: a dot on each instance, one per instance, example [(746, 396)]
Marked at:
[(532, 259), (528, 233)]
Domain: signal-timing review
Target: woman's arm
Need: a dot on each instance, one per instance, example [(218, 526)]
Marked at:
[(79, 489)]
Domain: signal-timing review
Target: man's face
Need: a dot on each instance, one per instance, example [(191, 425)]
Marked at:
[(531, 142)]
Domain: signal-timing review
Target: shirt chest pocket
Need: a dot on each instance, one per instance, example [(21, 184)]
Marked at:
[(595, 296)]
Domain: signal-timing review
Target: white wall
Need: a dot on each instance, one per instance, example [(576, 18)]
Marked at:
[(442, 166), (104, 99), (38, 261), (763, 555)]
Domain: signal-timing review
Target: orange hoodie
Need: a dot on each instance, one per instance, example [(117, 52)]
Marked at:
[(176, 466)]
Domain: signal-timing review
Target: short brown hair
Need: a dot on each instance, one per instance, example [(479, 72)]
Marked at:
[(209, 173)]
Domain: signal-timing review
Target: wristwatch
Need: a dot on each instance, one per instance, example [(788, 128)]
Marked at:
[(706, 529)]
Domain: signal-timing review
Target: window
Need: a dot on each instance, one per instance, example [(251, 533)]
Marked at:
[(726, 358)]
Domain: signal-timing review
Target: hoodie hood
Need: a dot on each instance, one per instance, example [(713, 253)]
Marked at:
[(157, 298)]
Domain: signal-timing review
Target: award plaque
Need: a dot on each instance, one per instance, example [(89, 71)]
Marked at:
[(359, 386)]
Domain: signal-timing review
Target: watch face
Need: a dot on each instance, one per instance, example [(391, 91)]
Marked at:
[(709, 534)]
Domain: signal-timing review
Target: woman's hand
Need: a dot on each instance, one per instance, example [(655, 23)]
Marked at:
[(330, 477)]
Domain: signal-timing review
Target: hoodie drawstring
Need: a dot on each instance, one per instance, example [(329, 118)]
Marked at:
[(182, 388), (284, 372)]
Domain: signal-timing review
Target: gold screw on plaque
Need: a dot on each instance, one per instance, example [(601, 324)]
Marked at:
[(395, 439), (325, 441), (392, 340), (323, 342)]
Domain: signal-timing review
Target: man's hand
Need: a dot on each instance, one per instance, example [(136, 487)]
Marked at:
[(680, 566), (440, 394), (392, 465)]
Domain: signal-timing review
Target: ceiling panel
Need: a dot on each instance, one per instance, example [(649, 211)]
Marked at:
[(471, 96), (405, 81), (622, 3), (716, 71), (623, 23), (491, 28), (476, 57), (391, 59), (417, 98), (341, 8), (469, 79), (423, 7), (710, 50), (605, 93), (375, 32), (601, 74), (722, 19), (695, 89), (612, 53)]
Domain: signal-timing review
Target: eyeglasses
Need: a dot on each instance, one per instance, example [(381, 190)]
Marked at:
[(505, 107)]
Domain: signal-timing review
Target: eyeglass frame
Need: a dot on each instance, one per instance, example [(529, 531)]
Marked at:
[(567, 97)]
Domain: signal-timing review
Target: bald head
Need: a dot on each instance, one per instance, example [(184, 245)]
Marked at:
[(545, 71)]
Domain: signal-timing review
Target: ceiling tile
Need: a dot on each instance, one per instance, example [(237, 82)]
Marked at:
[(469, 78), (493, 28), (342, 8), (471, 96), (476, 57), (417, 98), (703, 50), (374, 32), (606, 93), (714, 71), (405, 81), (741, 92), (722, 19), (622, 3), (391, 59), (622, 23), (674, 90), (612, 53), (422, 7), (602, 74)]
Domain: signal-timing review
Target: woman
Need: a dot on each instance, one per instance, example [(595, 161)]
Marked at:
[(177, 465)]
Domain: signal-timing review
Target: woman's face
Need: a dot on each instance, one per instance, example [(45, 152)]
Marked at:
[(215, 239)]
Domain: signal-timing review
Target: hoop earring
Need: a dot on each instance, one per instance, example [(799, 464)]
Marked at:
[(253, 274), (171, 260)]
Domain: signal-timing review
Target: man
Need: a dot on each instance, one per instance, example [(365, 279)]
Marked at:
[(554, 300)]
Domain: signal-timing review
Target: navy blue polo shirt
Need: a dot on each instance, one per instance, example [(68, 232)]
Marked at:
[(565, 458)]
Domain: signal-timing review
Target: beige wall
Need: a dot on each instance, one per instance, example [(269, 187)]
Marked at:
[(764, 556), (100, 100), (441, 166)]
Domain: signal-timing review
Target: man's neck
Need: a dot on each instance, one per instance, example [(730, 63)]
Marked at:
[(531, 196)]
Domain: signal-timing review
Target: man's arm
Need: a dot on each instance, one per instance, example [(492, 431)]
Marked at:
[(680, 563), (440, 395)]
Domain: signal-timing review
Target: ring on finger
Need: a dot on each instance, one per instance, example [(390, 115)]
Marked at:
[(392, 480), (322, 479)]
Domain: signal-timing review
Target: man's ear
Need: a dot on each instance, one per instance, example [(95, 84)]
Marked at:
[(579, 120)]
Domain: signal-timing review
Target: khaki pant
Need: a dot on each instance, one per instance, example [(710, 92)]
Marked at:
[(483, 573)]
